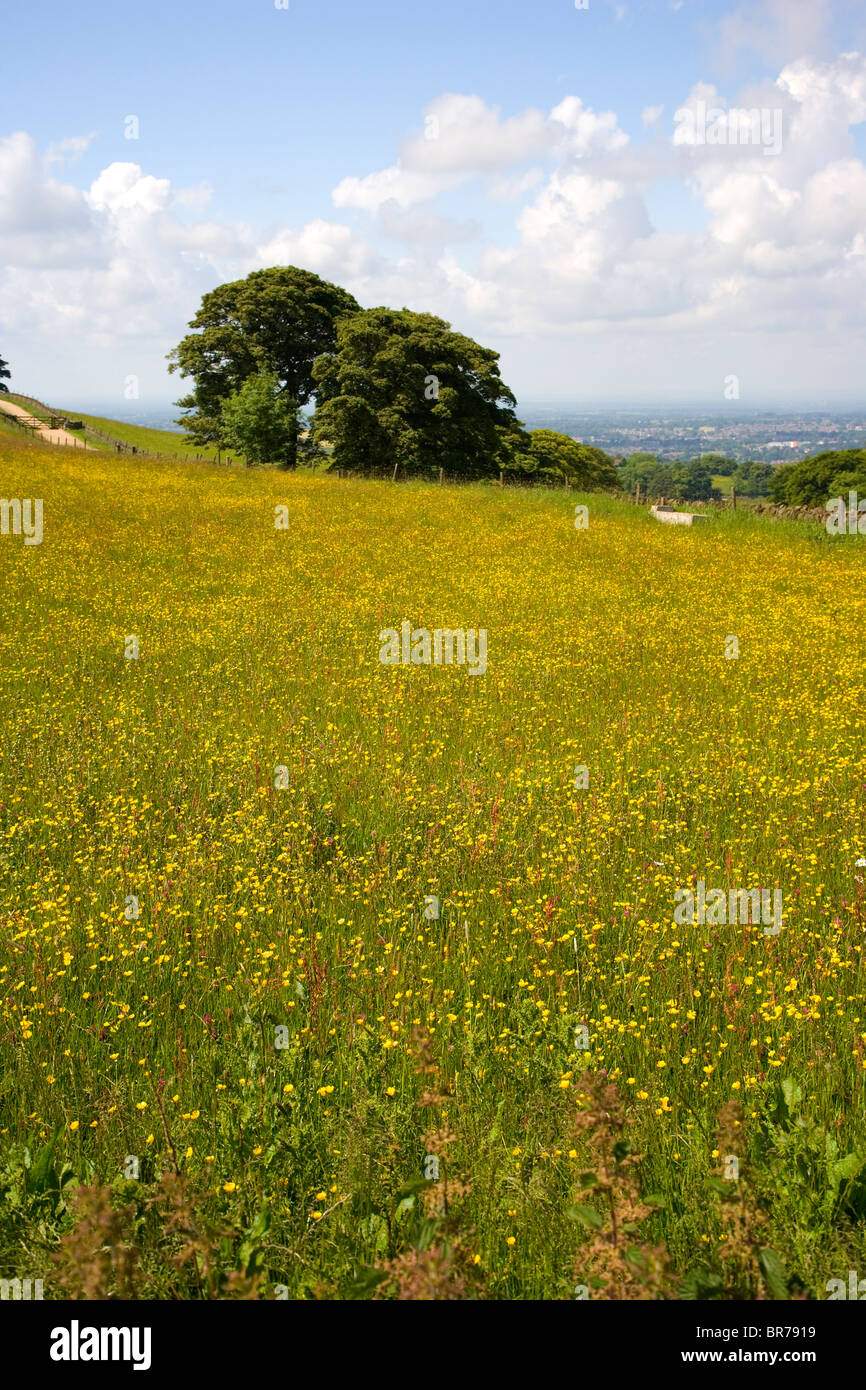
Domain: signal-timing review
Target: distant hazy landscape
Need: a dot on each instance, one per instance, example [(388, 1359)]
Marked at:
[(770, 435)]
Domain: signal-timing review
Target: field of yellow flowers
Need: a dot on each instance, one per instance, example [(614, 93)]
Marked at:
[(414, 1018)]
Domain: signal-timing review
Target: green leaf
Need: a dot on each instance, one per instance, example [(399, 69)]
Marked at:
[(412, 1187), (374, 1228), (846, 1168), (700, 1283), (261, 1223), (366, 1281), (792, 1093), (654, 1199), (720, 1185), (42, 1177), (588, 1216), (774, 1273)]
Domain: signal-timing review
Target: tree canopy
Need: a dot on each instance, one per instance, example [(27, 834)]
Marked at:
[(682, 481), (395, 391), (719, 464), (403, 391), (260, 421), (550, 454), (816, 480), (4, 372), (752, 479), (276, 321)]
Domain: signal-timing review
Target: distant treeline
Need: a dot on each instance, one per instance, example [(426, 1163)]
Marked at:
[(815, 481), (693, 480)]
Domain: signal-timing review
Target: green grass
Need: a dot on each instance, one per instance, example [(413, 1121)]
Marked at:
[(270, 991), (164, 443)]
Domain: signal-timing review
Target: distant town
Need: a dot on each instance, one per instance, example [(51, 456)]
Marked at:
[(769, 436)]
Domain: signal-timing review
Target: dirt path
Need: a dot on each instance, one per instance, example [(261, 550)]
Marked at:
[(44, 431)]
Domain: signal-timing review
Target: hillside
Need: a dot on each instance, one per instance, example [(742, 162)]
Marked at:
[(104, 434), (258, 865)]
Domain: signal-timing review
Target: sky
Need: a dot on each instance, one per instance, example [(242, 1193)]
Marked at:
[(633, 201)]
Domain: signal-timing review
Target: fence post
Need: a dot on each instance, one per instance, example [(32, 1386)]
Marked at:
[(733, 497), (440, 477), (501, 478)]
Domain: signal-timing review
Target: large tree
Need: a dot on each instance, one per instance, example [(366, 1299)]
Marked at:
[(276, 321), (4, 371), (404, 391)]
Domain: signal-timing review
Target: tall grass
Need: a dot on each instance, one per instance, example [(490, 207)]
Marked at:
[(240, 1068)]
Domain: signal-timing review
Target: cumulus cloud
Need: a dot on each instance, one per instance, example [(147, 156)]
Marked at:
[(778, 30), (120, 267), (577, 258), (464, 138), (651, 114)]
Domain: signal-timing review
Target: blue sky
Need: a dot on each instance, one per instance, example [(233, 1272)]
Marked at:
[(552, 215)]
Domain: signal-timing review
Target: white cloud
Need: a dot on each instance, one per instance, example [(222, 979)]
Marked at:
[(830, 90), (778, 30), (577, 269), (651, 114), (124, 188), (69, 150), (119, 269), (464, 138)]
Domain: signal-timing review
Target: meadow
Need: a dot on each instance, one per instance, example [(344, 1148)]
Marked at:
[(236, 1033)]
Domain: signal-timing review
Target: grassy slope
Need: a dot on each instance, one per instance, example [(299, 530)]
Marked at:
[(162, 442), (152, 441), (303, 908)]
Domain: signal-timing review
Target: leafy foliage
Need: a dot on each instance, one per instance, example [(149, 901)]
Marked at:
[(815, 480), (680, 481), (404, 392), (260, 421), (557, 456), (275, 321), (752, 479)]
